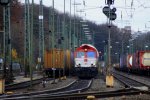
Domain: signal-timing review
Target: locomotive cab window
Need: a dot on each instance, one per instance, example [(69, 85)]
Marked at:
[(80, 54), (91, 54)]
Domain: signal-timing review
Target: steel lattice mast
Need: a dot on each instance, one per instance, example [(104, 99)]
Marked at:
[(50, 29), (64, 32), (27, 38), (70, 43), (31, 44), (7, 44), (41, 34)]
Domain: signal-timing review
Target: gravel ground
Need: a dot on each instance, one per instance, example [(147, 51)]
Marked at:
[(99, 85), (48, 86), (132, 97), (137, 78)]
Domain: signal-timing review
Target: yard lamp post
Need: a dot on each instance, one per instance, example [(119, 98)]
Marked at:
[(128, 50), (146, 46)]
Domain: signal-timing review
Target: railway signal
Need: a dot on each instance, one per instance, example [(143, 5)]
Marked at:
[(109, 2), (4, 2), (110, 13), (113, 15), (106, 10)]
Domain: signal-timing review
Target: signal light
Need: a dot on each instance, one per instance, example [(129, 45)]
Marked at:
[(110, 13), (4, 2), (109, 2)]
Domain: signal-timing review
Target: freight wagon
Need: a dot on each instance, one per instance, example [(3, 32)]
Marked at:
[(138, 62), (141, 61), (57, 60), (126, 62)]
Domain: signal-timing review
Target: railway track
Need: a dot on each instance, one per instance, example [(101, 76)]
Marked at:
[(74, 91), (81, 96), (145, 79), (131, 83), (23, 84), (74, 87)]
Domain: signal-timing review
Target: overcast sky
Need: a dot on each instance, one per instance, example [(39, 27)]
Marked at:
[(138, 17)]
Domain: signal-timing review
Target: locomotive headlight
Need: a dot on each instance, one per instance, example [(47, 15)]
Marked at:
[(78, 62), (79, 65), (92, 65)]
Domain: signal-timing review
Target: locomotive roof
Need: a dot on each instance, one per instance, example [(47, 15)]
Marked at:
[(88, 45)]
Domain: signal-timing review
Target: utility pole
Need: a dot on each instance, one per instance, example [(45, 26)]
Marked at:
[(41, 36)]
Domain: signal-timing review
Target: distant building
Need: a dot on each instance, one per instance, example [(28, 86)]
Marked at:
[(127, 29)]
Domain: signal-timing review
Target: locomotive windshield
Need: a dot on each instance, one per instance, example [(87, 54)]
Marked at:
[(91, 54), (80, 54)]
